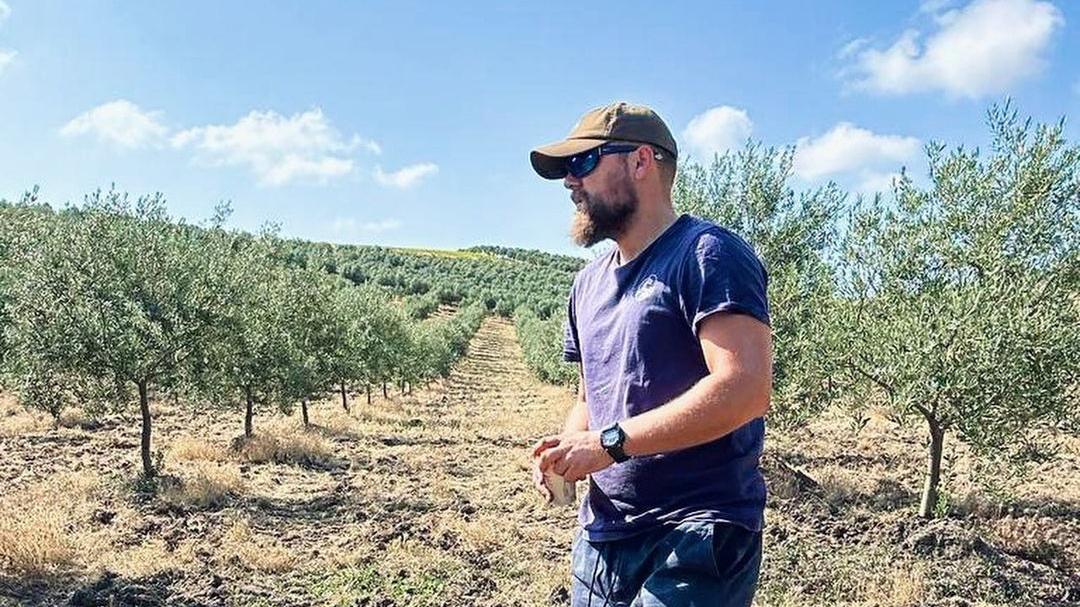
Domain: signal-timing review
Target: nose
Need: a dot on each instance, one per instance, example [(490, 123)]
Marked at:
[(570, 182)]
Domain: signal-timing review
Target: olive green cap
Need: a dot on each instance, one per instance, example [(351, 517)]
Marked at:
[(619, 121)]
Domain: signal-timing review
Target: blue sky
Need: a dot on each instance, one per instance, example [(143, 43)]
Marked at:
[(409, 124)]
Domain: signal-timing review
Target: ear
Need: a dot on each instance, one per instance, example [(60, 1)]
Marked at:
[(642, 160)]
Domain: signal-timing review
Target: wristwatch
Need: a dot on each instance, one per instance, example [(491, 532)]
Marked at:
[(612, 439)]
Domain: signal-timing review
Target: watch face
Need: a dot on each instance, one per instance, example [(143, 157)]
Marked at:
[(609, 437)]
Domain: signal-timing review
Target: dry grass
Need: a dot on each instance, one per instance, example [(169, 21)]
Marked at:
[(77, 418), (841, 487), (37, 529), (903, 586), (208, 486), (187, 448), (242, 546), (16, 420), (276, 442), (286, 444), (330, 419), (150, 558), (845, 487), (814, 572), (1034, 539)]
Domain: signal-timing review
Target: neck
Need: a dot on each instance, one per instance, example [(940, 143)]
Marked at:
[(647, 226)]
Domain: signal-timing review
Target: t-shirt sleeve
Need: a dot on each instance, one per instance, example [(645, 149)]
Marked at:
[(724, 275), (571, 349)]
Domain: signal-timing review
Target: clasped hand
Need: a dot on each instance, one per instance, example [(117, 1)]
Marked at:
[(571, 455)]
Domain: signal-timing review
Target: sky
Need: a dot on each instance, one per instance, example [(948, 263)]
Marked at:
[(409, 124)]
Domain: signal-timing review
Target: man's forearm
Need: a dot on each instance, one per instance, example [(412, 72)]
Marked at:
[(577, 420), (715, 406)]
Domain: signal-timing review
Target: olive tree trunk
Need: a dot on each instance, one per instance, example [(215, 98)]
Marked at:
[(933, 472), (144, 408), (249, 414)]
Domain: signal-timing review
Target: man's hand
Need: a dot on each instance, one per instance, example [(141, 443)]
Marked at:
[(571, 455), (538, 481)]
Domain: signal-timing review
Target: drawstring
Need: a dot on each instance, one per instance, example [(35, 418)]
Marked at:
[(592, 585), (614, 581)]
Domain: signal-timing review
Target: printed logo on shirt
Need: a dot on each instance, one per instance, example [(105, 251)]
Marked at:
[(650, 288)]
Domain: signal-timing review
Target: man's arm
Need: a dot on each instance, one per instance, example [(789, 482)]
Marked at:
[(738, 353), (577, 420)]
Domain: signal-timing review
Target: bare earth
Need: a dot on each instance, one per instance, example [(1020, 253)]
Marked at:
[(425, 499)]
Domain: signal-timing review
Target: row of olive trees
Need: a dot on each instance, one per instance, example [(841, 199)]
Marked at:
[(541, 346), (107, 304), (502, 278), (954, 302)]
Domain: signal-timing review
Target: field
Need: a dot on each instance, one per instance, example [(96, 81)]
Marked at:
[(425, 499)]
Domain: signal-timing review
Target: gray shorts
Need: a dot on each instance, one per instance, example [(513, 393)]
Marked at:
[(692, 564)]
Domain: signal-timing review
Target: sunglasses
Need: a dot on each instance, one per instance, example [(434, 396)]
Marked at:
[(584, 163)]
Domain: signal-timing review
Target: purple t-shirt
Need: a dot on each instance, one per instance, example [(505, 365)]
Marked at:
[(634, 330)]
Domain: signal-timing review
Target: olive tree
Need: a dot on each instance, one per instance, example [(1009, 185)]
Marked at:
[(366, 332), (312, 333), (250, 364), (964, 294), (110, 300), (748, 192)]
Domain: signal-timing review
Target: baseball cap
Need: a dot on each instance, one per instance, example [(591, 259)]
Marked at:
[(619, 121)]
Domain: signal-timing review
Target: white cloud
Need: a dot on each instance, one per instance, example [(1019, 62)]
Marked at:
[(5, 11), (6, 58), (847, 148), (277, 149), (292, 167), (716, 131), (407, 177), (348, 225), (979, 49), (853, 47), (119, 122)]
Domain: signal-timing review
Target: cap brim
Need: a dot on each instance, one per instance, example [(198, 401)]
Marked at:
[(548, 160)]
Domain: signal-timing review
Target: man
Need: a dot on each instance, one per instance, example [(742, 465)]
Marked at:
[(671, 330)]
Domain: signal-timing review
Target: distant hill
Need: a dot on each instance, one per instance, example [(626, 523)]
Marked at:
[(503, 278)]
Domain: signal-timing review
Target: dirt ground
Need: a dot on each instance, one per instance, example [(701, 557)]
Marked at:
[(425, 499)]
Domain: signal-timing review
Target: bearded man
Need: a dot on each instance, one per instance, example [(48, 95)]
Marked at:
[(671, 333)]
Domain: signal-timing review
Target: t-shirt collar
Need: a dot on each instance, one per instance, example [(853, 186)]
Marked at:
[(644, 253)]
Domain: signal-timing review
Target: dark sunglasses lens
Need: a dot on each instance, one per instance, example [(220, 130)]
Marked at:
[(582, 164)]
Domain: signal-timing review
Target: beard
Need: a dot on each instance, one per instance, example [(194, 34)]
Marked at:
[(601, 217)]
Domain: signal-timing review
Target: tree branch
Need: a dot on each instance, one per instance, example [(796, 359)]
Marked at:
[(888, 388)]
